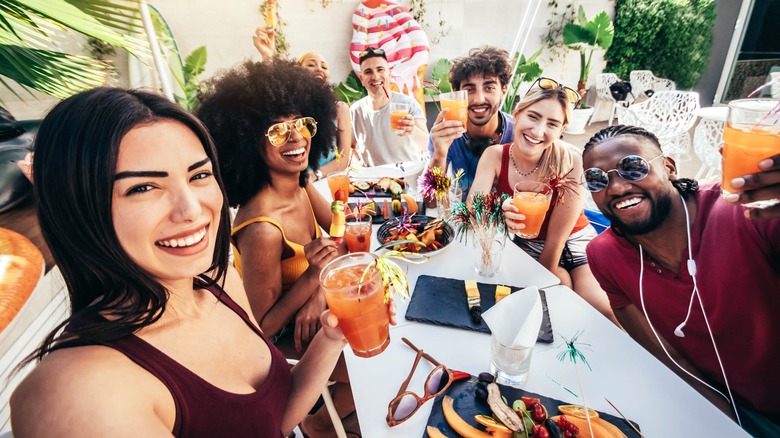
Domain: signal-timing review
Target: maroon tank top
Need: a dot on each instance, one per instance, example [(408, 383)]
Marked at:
[(502, 186), (202, 409)]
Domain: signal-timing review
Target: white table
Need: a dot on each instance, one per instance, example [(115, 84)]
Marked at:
[(639, 385)]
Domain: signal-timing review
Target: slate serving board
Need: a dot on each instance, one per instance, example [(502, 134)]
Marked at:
[(442, 301), (379, 219), (467, 406), (374, 192)]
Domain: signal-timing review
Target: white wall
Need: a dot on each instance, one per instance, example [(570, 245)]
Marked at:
[(226, 27)]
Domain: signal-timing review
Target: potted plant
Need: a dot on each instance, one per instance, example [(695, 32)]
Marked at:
[(586, 36)]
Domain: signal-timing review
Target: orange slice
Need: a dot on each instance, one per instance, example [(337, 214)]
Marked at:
[(577, 411)]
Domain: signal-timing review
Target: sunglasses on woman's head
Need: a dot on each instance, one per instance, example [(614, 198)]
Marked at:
[(630, 168), (279, 133), (406, 403), (551, 84)]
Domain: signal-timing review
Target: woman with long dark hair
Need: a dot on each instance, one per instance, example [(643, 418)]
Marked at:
[(161, 339)]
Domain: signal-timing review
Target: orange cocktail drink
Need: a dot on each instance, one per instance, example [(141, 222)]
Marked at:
[(750, 136), (338, 180), (358, 233), (457, 103), (397, 112), (532, 199), (355, 294)]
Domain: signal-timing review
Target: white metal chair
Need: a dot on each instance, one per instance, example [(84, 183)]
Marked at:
[(669, 115), (603, 82), (707, 141), (643, 80), (332, 412)]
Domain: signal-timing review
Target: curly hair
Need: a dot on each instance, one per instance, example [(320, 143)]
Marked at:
[(685, 186), (240, 104), (487, 61)]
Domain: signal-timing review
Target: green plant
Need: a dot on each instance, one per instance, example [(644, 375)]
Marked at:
[(670, 37), (587, 36), (350, 90), (27, 29), (194, 65), (439, 82), (418, 9), (560, 16), (527, 70)]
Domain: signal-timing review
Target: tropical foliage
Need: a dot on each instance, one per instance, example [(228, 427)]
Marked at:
[(350, 90), (672, 38), (526, 70), (29, 30), (587, 36)]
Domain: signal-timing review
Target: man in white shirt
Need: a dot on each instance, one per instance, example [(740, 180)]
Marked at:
[(376, 142)]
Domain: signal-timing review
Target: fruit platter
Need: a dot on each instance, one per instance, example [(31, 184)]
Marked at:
[(477, 407), (381, 210), (385, 187), (418, 234)]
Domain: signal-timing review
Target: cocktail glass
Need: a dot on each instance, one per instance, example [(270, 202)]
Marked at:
[(355, 294), (458, 104), (358, 233), (750, 136), (397, 111), (532, 199), (336, 181)]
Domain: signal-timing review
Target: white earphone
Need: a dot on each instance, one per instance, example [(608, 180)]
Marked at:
[(691, 264)]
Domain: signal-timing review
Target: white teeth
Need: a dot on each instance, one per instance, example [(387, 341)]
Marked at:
[(531, 140), (294, 152), (186, 241), (479, 110), (628, 203)]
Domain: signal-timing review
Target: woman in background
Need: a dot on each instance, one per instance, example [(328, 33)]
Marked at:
[(538, 154), (270, 123)]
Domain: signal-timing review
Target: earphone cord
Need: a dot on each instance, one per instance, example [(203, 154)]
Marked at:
[(692, 272)]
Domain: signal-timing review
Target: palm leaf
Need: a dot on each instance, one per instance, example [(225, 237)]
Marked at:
[(54, 73)]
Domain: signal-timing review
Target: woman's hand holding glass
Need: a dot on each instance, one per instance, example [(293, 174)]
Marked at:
[(514, 219), (319, 252)]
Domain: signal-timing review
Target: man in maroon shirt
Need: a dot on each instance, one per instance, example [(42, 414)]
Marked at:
[(688, 275)]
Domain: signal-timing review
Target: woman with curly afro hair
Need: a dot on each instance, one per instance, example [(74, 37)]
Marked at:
[(271, 123)]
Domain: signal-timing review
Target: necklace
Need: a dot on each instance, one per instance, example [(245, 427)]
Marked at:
[(517, 169)]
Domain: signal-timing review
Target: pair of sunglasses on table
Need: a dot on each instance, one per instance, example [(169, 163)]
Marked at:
[(551, 84), (279, 133), (406, 403), (630, 168)]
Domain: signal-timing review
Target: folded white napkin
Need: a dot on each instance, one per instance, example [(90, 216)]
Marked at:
[(516, 319)]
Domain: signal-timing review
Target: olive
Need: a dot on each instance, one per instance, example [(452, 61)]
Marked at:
[(552, 427), (481, 393), (486, 377)]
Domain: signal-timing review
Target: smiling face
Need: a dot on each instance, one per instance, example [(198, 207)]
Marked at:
[(635, 207), (374, 74), (485, 95), (166, 202), (293, 156), (537, 126), (317, 66)]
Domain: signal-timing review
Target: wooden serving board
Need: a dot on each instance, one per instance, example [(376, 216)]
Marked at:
[(442, 301)]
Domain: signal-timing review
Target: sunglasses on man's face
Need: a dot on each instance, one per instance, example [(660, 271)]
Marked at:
[(406, 403), (371, 51), (279, 133), (550, 84), (630, 168)]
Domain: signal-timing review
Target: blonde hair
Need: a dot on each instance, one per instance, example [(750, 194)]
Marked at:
[(305, 55), (557, 160)]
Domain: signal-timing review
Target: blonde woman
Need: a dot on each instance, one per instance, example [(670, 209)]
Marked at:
[(538, 154)]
